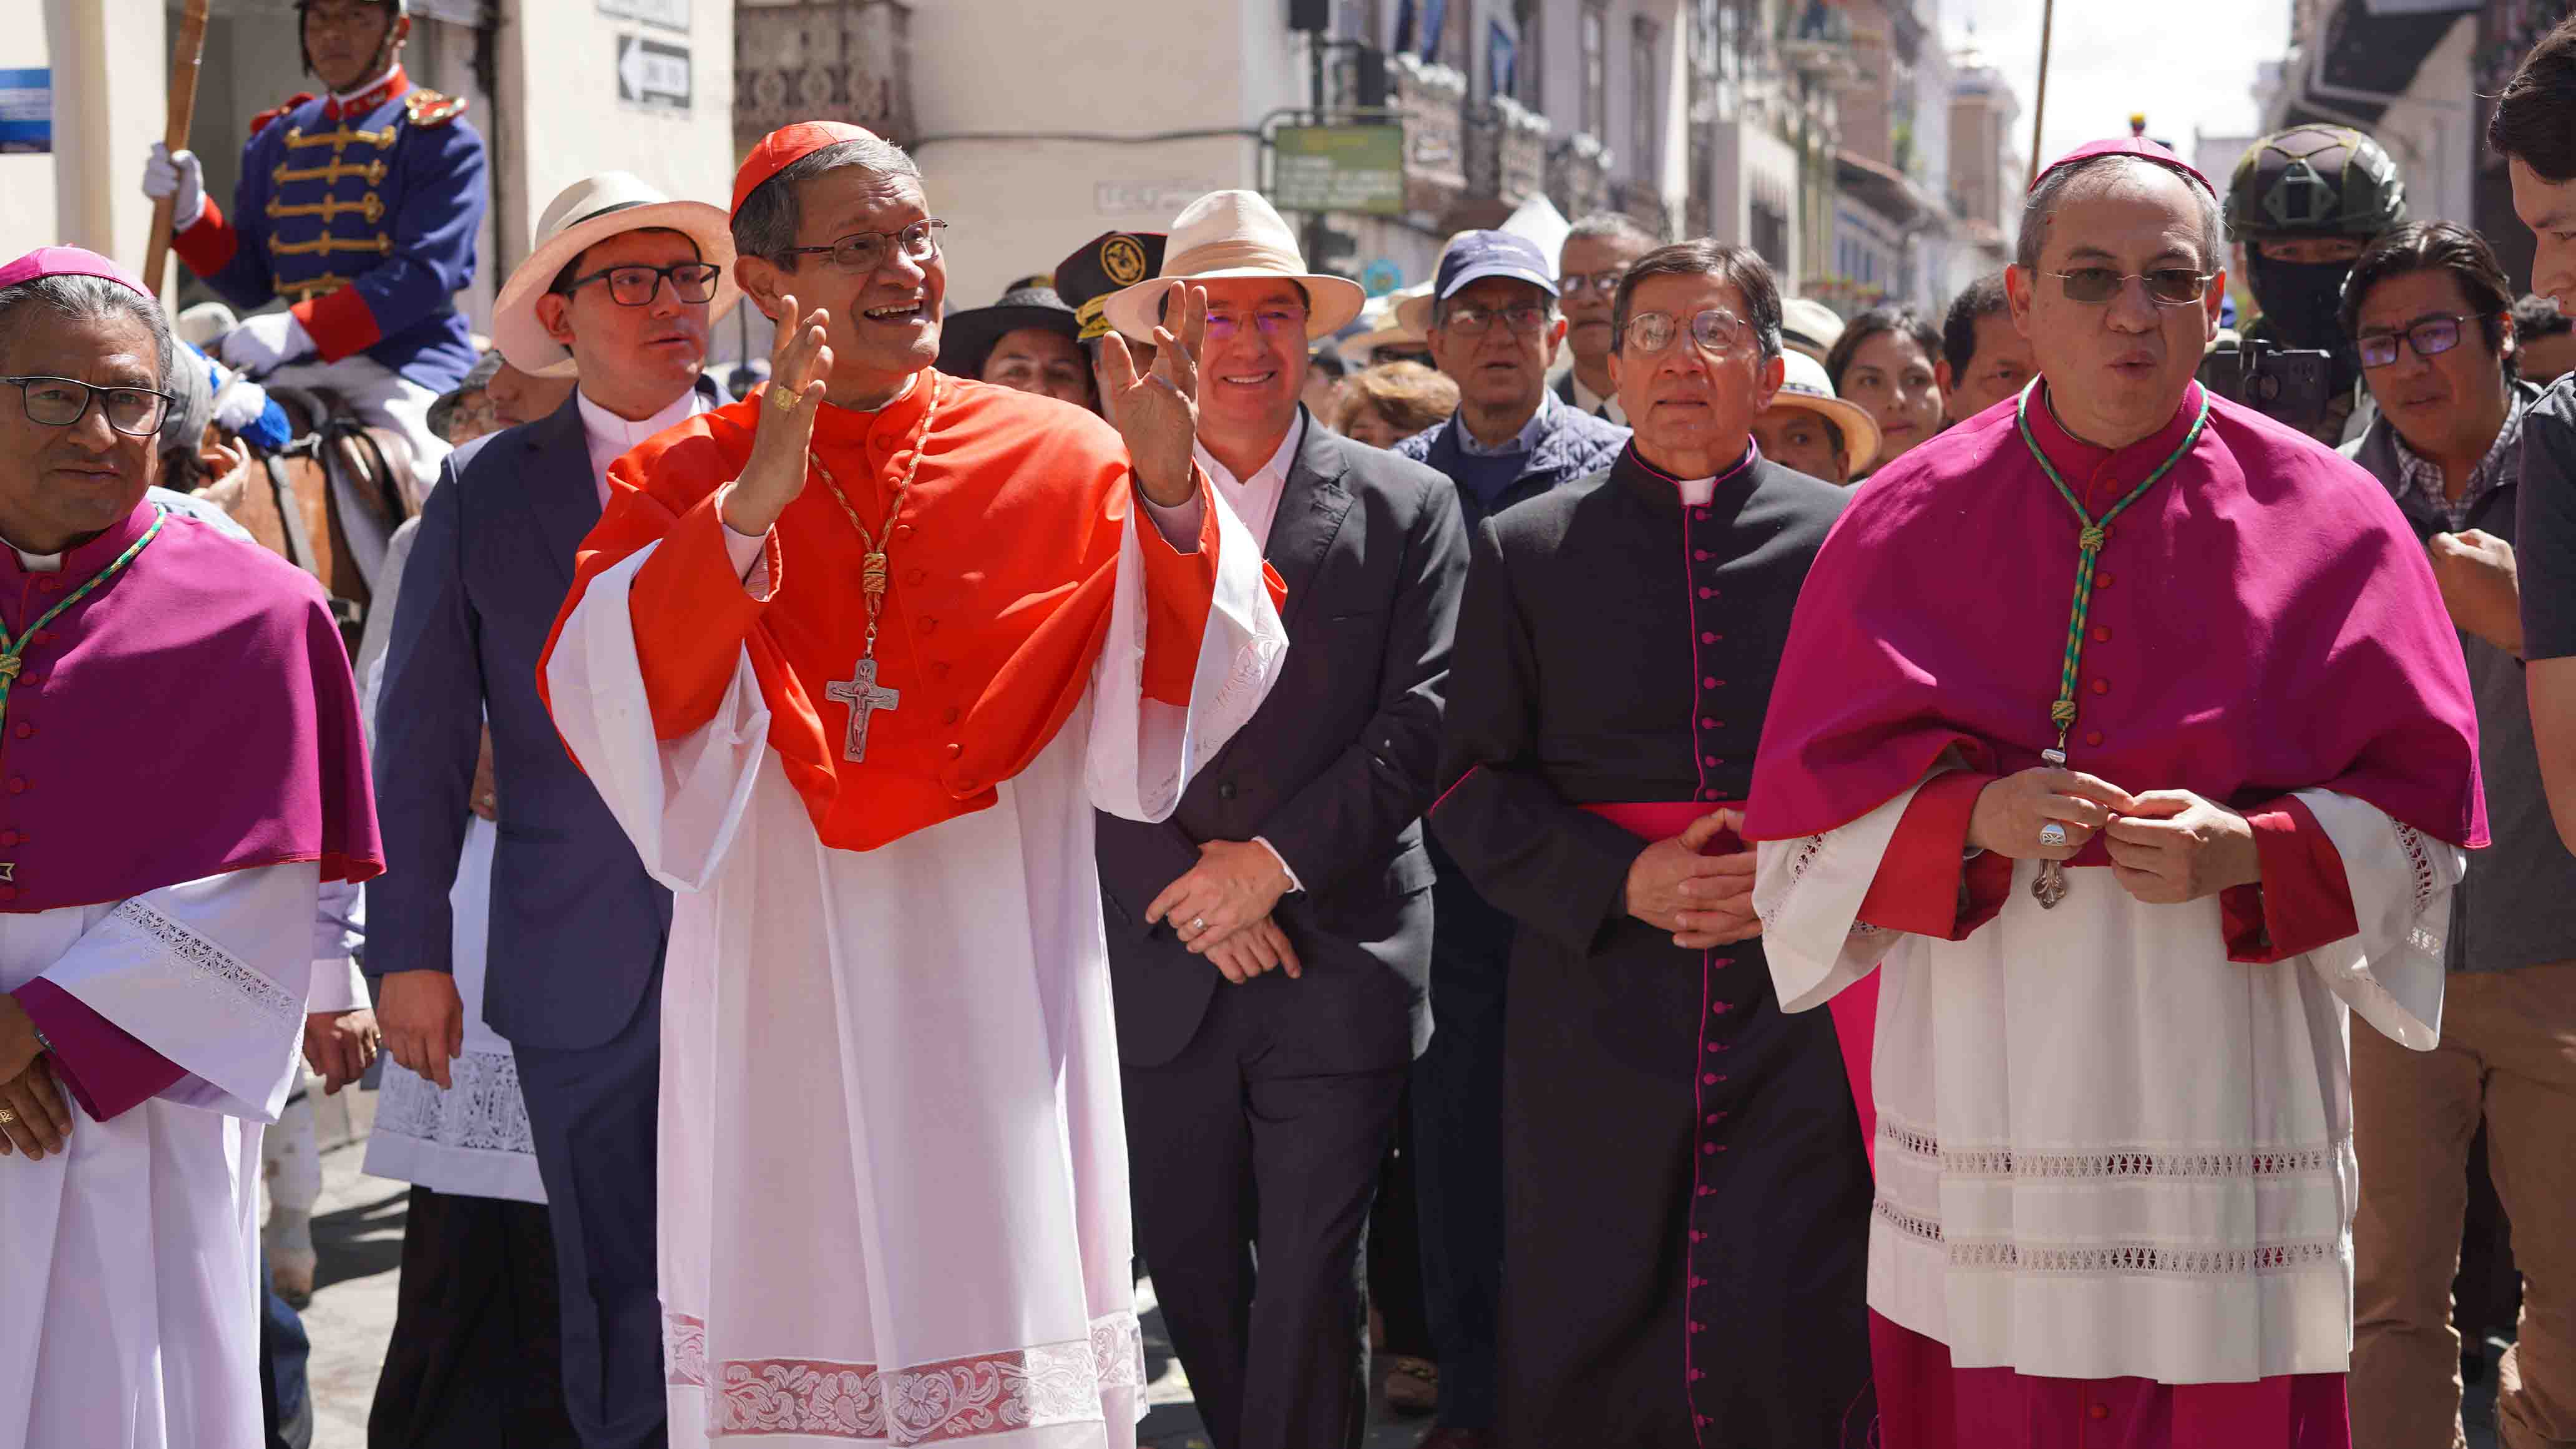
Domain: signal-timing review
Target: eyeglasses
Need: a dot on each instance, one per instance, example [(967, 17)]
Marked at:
[(2429, 336), (1271, 322), (2166, 286), (1715, 330), (637, 286), (865, 251), (1469, 320), (59, 402), (1604, 282)]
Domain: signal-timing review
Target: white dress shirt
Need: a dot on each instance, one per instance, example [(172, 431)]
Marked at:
[(612, 437), (1593, 402)]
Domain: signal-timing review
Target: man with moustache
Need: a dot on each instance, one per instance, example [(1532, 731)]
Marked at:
[(2430, 313), (1597, 251), (2050, 752), (1494, 329), (1984, 358), (1615, 650), (1029, 340), (1269, 943), (852, 660), (620, 290)]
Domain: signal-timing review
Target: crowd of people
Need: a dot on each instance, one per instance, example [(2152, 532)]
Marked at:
[(1588, 848)]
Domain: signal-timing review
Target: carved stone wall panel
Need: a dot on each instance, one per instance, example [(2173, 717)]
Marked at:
[(823, 60)]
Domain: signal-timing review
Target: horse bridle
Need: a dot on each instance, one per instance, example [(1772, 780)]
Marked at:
[(331, 426)]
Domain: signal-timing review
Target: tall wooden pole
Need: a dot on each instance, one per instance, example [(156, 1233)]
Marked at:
[(2039, 107), (183, 106)]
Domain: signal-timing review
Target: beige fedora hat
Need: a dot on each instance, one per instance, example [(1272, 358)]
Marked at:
[(1235, 234), (1806, 386), (585, 214)]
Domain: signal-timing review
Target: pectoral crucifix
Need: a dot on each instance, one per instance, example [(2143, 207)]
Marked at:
[(862, 694)]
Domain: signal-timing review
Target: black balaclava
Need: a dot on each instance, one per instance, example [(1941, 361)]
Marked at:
[(2302, 307)]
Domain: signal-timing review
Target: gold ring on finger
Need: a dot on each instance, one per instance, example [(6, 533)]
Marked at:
[(782, 397), (7, 1117)]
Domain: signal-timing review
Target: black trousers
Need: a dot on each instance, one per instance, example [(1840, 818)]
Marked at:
[(1251, 1146), (476, 1360), (595, 1113), (1458, 1148)]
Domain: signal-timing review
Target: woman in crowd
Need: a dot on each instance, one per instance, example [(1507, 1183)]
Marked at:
[(1883, 361), (1392, 401)]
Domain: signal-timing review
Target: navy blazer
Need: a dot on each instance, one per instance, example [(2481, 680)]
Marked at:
[(1334, 770), (577, 926)]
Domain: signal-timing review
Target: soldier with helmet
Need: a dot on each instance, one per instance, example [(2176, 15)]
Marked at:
[(2302, 205), (358, 208)]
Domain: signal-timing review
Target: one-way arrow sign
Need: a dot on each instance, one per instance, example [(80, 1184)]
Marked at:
[(650, 73)]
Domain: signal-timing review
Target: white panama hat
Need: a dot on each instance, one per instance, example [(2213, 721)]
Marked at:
[(585, 214), (1234, 234), (1805, 385)]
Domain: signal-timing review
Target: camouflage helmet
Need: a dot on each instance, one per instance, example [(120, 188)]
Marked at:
[(2314, 181)]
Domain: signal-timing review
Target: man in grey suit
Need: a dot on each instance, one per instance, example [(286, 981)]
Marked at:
[(1269, 944), (622, 289)]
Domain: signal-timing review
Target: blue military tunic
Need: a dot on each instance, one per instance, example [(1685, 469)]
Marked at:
[(362, 216)]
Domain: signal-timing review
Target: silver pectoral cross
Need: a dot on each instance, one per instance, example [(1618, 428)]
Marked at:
[(861, 693), (2049, 886)]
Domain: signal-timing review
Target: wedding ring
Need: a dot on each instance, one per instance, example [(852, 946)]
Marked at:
[(782, 397), (2053, 836)]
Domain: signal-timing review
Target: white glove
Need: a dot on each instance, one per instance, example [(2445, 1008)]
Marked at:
[(265, 342), (179, 176)]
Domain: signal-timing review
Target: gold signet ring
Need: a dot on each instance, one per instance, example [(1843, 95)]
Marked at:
[(782, 398)]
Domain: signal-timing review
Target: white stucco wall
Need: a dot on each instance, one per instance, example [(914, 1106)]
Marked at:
[(27, 182), (991, 79), (109, 58)]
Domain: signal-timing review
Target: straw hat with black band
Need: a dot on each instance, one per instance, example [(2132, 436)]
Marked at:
[(589, 212), (1229, 234), (1804, 385)]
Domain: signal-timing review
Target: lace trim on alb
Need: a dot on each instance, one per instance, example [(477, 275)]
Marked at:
[(965, 1398), (2114, 1161), (483, 1112), (210, 967), (2117, 1259), (1808, 850)]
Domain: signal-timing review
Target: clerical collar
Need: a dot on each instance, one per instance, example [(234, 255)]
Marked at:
[(900, 394), (1526, 441), (1696, 492), (607, 426), (2078, 459), (90, 556)]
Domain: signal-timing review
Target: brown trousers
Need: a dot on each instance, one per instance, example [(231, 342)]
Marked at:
[(2508, 1056)]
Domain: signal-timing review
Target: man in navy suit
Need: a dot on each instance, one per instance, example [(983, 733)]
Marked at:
[(621, 290)]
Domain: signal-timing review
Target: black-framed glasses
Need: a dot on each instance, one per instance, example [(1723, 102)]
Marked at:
[(2166, 286), (1605, 282), (1714, 329), (636, 285), (2429, 336), (1469, 320), (59, 402), (865, 251)]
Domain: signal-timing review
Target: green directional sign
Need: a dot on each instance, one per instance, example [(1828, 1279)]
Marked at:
[(1338, 168)]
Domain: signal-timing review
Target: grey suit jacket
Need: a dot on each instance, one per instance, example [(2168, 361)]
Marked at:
[(577, 925), (1334, 770)]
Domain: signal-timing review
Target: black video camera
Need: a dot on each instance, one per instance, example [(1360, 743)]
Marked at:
[(2287, 385)]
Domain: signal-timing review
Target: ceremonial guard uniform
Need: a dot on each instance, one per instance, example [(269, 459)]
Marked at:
[(360, 212)]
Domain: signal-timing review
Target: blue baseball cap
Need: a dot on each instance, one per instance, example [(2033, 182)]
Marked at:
[(1473, 256)]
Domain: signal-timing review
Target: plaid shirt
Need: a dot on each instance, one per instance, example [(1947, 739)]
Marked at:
[(2420, 478)]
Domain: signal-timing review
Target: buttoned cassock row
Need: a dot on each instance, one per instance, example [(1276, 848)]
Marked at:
[(362, 216)]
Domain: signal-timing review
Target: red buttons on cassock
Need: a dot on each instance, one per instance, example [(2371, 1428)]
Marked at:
[(2101, 686), (1708, 683), (1708, 1149), (1708, 593), (939, 669), (25, 729), (2102, 634), (1706, 723), (2100, 1411), (1701, 554), (51, 586), (955, 749), (948, 715), (929, 626), (2101, 581), (17, 785), (1708, 638), (1704, 759), (8, 837), (2092, 737), (1709, 1079), (1708, 794), (8, 893), (1699, 513), (913, 576)]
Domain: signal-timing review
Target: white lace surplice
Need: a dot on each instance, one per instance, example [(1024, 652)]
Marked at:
[(472, 1139), (893, 1166), (129, 1311), (2104, 1149)]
